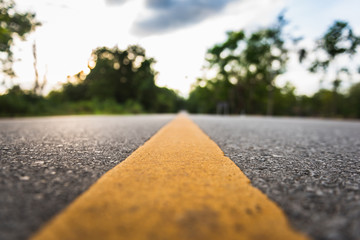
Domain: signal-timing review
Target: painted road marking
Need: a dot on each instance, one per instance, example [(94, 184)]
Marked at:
[(178, 185)]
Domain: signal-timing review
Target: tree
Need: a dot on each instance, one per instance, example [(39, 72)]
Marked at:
[(249, 65), (123, 77), (338, 41), (266, 57), (12, 25)]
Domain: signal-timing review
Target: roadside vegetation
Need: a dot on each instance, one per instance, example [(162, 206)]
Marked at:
[(119, 82), (246, 66)]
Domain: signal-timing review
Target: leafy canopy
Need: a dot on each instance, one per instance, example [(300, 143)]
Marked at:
[(13, 25)]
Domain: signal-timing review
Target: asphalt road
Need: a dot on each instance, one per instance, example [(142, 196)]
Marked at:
[(46, 162), (311, 168)]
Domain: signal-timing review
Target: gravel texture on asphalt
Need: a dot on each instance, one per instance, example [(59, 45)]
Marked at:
[(310, 167), (45, 163)]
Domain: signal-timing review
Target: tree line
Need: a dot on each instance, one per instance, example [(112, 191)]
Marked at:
[(246, 66), (119, 81)]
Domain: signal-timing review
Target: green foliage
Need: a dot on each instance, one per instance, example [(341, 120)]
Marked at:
[(205, 99), (13, 24), (246, 66), (335, 39), (19, 103), (285, 100), (338, 40), (123, 76), (24, 103), (119, 82), (353, 103)]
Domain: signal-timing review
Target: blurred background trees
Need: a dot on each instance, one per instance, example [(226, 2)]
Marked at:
[(334, 51), (119, 81), (246, 66), (13, 25)]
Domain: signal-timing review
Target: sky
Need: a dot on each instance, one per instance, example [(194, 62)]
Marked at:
[(177, 33)]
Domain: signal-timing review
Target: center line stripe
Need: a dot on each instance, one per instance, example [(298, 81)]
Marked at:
[(178, 185)]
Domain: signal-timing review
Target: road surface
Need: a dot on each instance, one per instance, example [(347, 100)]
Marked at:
[(47, 162), (310, 168)]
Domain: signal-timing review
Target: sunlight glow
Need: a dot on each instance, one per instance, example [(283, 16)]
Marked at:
[(91, 64)]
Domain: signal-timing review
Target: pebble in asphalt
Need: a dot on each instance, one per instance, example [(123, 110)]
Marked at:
[(310, 167), (45, 163)]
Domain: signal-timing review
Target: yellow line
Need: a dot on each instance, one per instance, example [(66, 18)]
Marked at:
[(178, 185)]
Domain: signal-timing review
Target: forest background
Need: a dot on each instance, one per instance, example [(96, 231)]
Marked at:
[(245, 66)]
